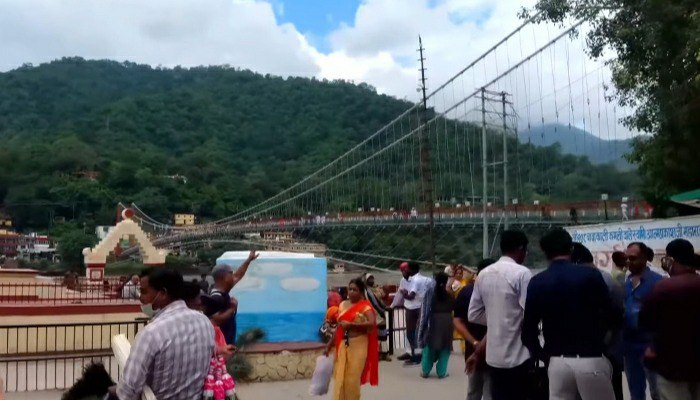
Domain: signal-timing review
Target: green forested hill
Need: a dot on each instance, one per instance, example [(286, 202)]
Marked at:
[(236, 136)]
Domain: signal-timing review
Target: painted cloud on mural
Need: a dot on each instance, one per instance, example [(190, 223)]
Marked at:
[(300, 284), (272, 269)]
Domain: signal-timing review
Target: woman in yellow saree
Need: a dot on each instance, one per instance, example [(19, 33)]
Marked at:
[(356, 345)]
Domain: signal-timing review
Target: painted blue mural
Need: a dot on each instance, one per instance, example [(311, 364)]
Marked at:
[(284, 294)]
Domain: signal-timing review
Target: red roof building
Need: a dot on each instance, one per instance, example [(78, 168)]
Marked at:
[(8, 243)]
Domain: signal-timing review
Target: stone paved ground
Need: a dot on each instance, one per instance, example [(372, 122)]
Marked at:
[(395, 383)]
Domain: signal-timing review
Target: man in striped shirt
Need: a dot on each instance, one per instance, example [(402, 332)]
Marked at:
[(172, 353)]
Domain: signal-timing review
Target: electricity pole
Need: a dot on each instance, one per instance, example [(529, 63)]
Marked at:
[(505, 163), (426, 178), (484, 173)]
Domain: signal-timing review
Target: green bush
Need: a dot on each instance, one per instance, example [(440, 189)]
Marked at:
[(238, 365)]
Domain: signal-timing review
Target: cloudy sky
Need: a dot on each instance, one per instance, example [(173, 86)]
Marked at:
[(371, 41)]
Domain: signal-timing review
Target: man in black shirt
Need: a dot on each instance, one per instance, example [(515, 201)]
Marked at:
[(472, 334), (224, 280), (582, 256), (573, 304)]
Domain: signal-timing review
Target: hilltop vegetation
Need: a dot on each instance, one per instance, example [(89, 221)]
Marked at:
[(78, 136)]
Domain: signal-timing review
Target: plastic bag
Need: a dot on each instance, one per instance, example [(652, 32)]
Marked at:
[(321, 378)]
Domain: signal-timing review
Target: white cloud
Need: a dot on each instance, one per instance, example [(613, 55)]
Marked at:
[(250, 283), (271, 269), (385, 34), (386, 75), (245, 34), (300, 284)]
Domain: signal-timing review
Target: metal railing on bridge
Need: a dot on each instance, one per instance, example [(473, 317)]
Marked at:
[(562, 214)]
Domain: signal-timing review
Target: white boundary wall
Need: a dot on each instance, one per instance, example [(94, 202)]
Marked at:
[(604, 239)]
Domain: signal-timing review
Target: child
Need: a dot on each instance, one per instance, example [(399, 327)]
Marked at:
[(219, 384), (196, 301)]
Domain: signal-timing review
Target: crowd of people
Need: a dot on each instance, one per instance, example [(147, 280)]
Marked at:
[(570, 331), (567, 332), (179, 354)]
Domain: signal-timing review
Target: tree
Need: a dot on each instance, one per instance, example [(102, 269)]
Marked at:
[(656, 71), (179, 263), (71, 243)]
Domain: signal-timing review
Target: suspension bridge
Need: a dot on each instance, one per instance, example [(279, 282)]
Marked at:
[(442, 178)]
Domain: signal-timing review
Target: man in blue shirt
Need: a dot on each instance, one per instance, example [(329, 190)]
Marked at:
[(573, 304), (638, 286)]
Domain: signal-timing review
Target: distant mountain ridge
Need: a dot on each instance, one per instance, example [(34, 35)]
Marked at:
[(579, 142)]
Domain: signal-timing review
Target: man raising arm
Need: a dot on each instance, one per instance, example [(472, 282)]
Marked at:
[(225, 278)]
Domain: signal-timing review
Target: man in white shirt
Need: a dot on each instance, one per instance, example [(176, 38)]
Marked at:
[(411, 292), (131, 290), (398, 301), (650, 258), (623, 208), (498, 302)]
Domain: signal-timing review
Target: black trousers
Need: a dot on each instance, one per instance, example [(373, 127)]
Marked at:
[(617, 368), (511, 383)]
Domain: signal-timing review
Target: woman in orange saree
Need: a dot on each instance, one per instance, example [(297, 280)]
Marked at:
[(356, 345)]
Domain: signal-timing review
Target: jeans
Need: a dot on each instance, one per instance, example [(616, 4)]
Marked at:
[(510, 383), (479, 385), (672, 390), (637, 374), (430, 357)]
